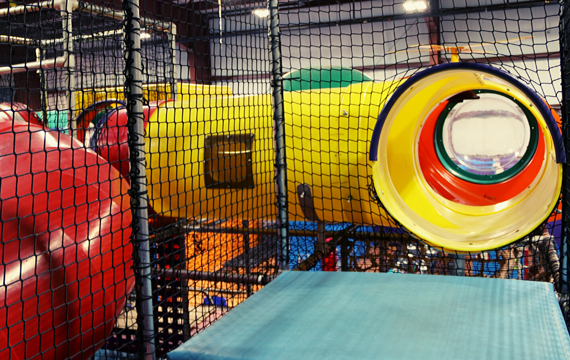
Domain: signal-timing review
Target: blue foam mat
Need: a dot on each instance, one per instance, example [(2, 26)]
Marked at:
[(333, 315)]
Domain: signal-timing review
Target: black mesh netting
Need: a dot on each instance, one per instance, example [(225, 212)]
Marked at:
[(162, 161)]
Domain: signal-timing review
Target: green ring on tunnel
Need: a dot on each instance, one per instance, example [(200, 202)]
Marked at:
[(463, 174)]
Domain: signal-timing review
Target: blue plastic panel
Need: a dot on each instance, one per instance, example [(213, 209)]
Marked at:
[(328, 315)]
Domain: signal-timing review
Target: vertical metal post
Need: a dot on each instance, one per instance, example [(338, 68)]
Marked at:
[(221, 20), (279, 126), (43, 96), (67, 24), (321, 228), (459, 264), (344, 253), (173, 63), (186, 328), (246, 254), (138, 192), (320, 244), (565, 64)]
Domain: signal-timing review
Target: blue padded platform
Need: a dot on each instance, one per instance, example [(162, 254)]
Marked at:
[(333, 315)]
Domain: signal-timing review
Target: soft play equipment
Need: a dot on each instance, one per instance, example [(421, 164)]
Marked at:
[(463, 155), (19, 112), (459, 197), (107, 131), (349, 315), (56, 120), (322, 78), (88, 119), (151, 92), (67, 266)]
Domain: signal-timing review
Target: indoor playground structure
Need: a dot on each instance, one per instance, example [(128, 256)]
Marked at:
[(164, 163), (421, 174)]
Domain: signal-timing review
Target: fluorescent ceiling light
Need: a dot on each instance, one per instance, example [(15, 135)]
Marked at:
[(421, 5), (409, 6), (415, 5), (262, 13)]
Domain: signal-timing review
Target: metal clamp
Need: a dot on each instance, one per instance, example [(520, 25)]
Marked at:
[(307, 203)]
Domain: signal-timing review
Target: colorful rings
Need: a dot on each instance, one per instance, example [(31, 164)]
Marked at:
[(460, 189), (487, 168), (465, 157)]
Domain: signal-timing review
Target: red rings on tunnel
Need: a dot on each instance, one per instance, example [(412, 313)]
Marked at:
[(464, 192)]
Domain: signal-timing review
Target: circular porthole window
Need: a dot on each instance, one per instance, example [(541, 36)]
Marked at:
[(486, 138)]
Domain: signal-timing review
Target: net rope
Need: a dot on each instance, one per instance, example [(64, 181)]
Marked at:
[(151, 206)]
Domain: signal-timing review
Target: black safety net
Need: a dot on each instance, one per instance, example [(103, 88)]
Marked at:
[(162, 161)]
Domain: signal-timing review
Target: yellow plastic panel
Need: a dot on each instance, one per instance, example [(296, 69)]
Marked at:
[(321, 152), (151, 92)]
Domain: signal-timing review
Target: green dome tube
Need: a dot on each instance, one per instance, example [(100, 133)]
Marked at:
[(322, 78)]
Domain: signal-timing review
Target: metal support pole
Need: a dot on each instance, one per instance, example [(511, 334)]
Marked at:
[(67, 23), (184, 289), (321, 230), (138, 192), (344, 253), (58, 62), (18, 40), (26, 8), (321, 238), (91, 8), (279, 126), (460, 264), (43, 95), (214, 276), (562, 287), (330, 246), (173, 63), (77, 38), (246, 254)]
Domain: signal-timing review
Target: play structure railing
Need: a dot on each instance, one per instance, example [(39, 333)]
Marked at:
[(67, 60)]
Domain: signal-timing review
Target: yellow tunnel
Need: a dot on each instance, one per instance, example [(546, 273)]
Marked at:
[(213, 157)]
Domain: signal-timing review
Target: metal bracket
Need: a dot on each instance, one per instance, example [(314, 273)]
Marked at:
[(307, 203)]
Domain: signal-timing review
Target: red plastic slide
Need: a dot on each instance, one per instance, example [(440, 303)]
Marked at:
[(66, 257)]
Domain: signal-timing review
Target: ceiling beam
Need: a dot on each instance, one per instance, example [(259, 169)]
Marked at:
[(434, 30), (243, 7), (386, 18), (191, 26), (407, 65)]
